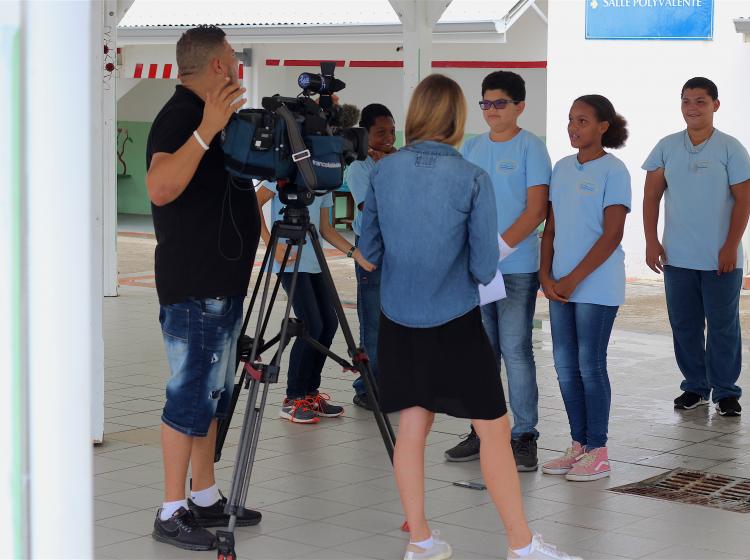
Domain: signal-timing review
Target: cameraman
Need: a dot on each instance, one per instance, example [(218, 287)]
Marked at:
[(207, 234)]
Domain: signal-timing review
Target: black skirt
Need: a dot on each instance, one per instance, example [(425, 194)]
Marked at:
[(450, 368)]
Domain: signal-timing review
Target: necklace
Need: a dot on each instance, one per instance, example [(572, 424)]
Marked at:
[(693, 149)]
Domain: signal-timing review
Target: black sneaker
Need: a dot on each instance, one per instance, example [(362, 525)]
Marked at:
[(524, 452), (214, 516), (362, 401), (729, 406), (182, 530), (467, 450), (689, 401)]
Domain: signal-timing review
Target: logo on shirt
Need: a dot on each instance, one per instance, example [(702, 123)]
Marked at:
[(700, 167), (506, 166), (587, 188)]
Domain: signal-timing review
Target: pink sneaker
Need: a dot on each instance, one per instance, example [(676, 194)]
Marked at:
[(563, 464), (592, 465)]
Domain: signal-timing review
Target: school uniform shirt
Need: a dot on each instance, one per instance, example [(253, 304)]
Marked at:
[(308, 262), (698, 202), (579, 193), (514, 166), (358, 181)]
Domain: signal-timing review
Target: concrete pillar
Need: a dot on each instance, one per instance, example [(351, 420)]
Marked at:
[(13, 465), (418, 18), (62, 295)]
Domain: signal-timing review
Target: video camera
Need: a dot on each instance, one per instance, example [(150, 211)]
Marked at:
[(295, 141)]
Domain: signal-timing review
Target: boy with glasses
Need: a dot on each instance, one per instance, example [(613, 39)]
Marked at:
[(520, 168)]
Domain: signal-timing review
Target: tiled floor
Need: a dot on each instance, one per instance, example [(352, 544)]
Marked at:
[(326, 491)]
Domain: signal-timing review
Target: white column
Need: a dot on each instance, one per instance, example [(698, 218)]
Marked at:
[(258, 68), (109, 159), (418, 18), (13, 464), (62, 290)]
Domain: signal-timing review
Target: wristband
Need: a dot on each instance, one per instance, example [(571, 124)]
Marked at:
[(350, 254), (200, 140)]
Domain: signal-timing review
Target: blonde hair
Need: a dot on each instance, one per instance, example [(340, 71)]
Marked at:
[(437, 111)]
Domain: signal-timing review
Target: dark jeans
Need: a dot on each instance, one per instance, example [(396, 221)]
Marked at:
[(705, 318), (313, 306), (580, 336), (368, 311)]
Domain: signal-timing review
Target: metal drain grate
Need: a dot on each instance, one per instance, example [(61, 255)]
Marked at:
[(695, 487)]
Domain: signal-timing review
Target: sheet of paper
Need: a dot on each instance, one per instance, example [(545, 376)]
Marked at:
[(494, 291)]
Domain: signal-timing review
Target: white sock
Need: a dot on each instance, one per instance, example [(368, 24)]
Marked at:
[(429, 543), (207, 497), (525, 551), (168, 508)]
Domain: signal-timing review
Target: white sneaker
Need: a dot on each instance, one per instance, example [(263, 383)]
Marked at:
[(542, 551), (440, 550)]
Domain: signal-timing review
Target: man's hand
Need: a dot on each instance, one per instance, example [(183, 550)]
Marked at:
[(220, 105), (727, 259), (279, 256), (368, 266), (565, 287), (656, 257), (548, 285)]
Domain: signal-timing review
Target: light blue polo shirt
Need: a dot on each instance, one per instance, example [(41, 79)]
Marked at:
[(308, 262), (698, 202), (579, 193), (358, 181), (513, 166)]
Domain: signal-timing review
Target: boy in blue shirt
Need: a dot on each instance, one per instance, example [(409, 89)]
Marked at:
[(705, 175), (520, 168)]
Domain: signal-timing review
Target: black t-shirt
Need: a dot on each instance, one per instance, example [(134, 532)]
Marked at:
[(206, 237)]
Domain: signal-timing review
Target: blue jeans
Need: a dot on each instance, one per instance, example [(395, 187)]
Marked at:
[(200, 336), (313, 306), (368, 311), (705, 318), (580, 336), (508, 324)]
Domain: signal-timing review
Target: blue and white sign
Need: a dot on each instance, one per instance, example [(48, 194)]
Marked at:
[(650, 19)]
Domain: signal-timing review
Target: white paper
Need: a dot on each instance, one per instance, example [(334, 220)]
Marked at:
[(505, 249), (494, 291)]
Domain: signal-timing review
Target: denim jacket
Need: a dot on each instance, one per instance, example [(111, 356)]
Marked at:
[(430, 223)]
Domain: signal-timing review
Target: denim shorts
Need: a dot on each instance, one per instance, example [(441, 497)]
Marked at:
[(200, 336)]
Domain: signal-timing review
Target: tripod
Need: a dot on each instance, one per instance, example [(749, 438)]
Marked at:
[(295, 227)]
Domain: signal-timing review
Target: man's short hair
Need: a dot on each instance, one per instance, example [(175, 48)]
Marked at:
[(510, 82), (702, 83), (197, 47)]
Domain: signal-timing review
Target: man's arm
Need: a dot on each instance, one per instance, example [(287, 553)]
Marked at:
[(653, 191), (737, 225), (537, 198), (169, 174)]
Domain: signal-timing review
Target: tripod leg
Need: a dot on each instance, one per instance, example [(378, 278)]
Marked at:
[(223, 428), (384, 424)]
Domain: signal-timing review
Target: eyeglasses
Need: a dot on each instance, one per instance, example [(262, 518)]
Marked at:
[(485, 104)]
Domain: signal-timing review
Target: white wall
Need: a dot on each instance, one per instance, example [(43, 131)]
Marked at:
[(526, 41), (643, 80)]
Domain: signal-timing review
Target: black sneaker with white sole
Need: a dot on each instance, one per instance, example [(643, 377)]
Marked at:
[(729, 406), (689, 401), (467, 450), (183, 531), (524, 452), (214, 516)]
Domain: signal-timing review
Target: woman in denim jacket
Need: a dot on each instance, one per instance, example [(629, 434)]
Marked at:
[(430, 223)]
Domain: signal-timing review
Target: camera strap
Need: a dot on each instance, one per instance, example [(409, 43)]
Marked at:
[(300, 152)]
